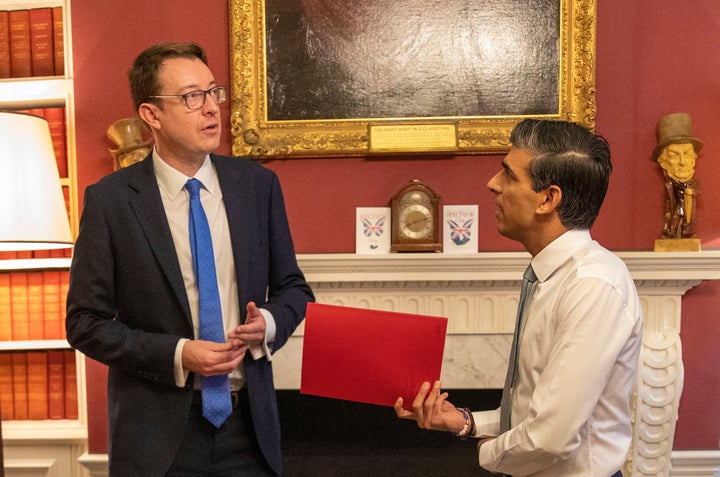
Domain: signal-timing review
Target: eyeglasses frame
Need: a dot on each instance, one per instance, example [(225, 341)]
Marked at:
[(205, 92)]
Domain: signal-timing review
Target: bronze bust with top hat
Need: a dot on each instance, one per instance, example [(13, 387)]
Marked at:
[(676, 152), (130, 135)]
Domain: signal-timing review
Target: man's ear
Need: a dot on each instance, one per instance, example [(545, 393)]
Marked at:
[(549, 199), (148, 113)]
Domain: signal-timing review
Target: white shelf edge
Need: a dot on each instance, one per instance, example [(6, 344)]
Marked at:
[(15, 264), (25, 93), (33, 345), (60, 430), (28, 4)]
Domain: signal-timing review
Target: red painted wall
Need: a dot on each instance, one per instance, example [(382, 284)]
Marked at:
[(654, 57)]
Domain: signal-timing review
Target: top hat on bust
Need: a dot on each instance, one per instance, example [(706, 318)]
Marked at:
[(127, 133), (675, 128)]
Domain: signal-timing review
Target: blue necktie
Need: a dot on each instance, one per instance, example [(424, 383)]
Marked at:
[(215, 389), (509, 390)]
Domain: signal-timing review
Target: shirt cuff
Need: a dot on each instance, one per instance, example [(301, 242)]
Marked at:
[(487, 423), (181, 374), (258, 351)]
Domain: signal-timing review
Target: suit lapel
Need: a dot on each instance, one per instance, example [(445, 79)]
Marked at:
[(148, 208), (239, 198)]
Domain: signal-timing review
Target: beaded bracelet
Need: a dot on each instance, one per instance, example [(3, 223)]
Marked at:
[(469, 423)]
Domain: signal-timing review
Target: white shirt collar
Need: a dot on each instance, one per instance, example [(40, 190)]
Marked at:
[(558, 252), (172, 182)]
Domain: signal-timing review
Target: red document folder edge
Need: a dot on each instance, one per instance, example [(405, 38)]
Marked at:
[(370, 356)]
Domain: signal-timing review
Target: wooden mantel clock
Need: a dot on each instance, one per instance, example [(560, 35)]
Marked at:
[(415, 214)]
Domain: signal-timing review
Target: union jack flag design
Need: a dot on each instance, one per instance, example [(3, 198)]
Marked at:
[(370, 228), (460, 234)]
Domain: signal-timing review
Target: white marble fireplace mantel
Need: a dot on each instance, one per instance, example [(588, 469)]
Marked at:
[(478, 293)]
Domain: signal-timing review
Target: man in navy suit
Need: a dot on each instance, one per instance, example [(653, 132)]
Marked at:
[(133, 298)]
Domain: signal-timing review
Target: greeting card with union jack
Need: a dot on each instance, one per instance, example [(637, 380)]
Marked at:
[(372, 230), (460, 229)]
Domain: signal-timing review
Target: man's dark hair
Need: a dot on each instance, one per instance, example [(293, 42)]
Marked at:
[(571, 157), (144, 72)]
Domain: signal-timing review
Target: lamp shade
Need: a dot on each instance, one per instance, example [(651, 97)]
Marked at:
[(33, 215)]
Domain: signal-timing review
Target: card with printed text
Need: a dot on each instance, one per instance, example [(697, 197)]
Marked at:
[(372, 230), (460, 229)]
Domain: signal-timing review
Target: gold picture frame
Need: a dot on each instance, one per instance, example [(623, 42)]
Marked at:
[(263, 63)]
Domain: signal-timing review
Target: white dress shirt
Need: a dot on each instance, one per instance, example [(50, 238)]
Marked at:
[(176, 201), (578, 357)]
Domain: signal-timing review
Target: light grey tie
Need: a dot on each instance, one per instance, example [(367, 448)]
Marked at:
[(529, 278)]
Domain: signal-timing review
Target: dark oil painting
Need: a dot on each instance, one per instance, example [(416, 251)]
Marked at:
[(351, 59)]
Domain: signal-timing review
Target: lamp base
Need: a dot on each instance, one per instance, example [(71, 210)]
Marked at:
[(678, 245)]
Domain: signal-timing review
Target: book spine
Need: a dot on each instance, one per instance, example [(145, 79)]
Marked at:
[(53, 307), (37, 384), (42, 52), (4, 45), (61, 253), (41, 253), (5, 308), (7, 402), (35, 112), (36, 311), (20, 53), (20, 387), (56, 384), (56, 122), (19, 305), (66, 196), (71, 389), (58, 41), (64, 286)]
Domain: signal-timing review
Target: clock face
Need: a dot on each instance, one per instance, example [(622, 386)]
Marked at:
[(416, 222), (415, 219)]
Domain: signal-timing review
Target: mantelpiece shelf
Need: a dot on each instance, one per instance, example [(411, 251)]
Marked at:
[(485, 266)]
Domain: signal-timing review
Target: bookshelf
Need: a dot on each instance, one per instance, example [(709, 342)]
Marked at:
[(45, 446), (48, 92)]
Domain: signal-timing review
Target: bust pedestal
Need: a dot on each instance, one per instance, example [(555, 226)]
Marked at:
[(678, 245)]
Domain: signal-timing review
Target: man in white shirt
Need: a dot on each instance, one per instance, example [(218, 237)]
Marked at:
[(579, 342)]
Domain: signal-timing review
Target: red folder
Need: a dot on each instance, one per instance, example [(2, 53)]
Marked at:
[(370, 356)]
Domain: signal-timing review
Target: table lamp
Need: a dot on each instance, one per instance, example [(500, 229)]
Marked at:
[(33, 215)]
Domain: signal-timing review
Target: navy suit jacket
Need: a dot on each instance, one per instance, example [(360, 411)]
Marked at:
[(127, 305)]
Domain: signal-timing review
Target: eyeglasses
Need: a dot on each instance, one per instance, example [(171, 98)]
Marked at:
[(195, 100)]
